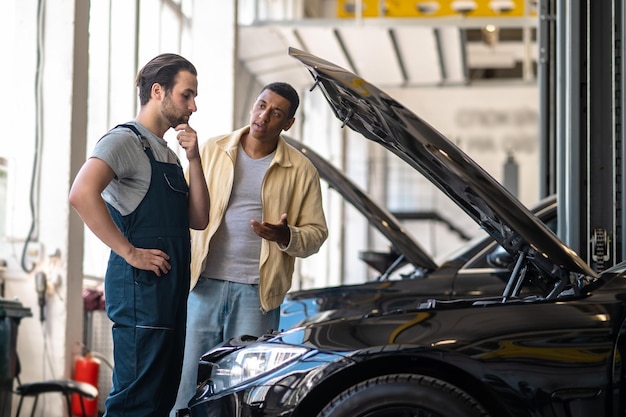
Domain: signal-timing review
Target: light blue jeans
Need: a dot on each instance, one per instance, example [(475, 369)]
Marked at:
[(217, 311)]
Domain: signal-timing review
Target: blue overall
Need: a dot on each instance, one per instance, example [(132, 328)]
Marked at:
[(149, 312)]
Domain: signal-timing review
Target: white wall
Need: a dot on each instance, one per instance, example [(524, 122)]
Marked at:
[(487, 122)]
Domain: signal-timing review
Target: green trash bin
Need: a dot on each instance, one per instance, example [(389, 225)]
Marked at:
[(11, 312)]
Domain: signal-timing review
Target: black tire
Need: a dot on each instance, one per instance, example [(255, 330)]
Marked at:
[(403, 395)]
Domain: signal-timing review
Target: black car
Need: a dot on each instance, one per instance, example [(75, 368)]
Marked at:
[(407, 273), (549, 345)]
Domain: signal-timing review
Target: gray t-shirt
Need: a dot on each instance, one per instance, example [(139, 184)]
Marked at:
[(235, 248), (122, 150)]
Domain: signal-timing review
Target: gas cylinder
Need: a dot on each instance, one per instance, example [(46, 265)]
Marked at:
[(86, 369)]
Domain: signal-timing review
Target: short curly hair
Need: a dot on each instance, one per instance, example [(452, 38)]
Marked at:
[(287, 91)]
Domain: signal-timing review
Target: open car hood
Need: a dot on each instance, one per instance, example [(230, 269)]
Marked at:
[(377, 216), (377, 116)]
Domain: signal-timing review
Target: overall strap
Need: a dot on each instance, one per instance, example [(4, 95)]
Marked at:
[(142, 139)]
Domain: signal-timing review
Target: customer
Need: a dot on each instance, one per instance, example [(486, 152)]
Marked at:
[(266, 209), (133, 195)]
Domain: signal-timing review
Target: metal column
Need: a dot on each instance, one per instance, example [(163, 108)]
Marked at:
[(589, 133)]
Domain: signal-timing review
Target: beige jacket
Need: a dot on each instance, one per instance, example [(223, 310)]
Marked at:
[(291, 185)]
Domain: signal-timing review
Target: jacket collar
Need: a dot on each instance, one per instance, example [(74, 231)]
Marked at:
[(230, 144)]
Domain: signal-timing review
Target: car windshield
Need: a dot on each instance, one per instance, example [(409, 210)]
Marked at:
[(455, 253)]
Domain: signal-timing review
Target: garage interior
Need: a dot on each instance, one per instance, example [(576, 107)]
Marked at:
[(570, 54)]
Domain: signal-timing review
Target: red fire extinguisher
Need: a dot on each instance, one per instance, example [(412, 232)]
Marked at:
[(86, 369)]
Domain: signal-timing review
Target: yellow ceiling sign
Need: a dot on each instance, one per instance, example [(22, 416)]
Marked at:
[(437, 8)]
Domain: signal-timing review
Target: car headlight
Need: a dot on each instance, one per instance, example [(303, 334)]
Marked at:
[(248, 363)]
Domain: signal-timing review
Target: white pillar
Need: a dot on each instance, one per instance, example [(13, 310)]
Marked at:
[(214, 54), (52, 130)]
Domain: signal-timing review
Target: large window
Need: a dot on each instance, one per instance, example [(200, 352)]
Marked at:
[(3, 198)]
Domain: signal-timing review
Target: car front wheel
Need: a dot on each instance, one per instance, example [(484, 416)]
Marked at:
[(403, 395)]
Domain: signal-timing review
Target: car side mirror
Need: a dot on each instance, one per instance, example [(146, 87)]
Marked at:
[(500, 258)]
